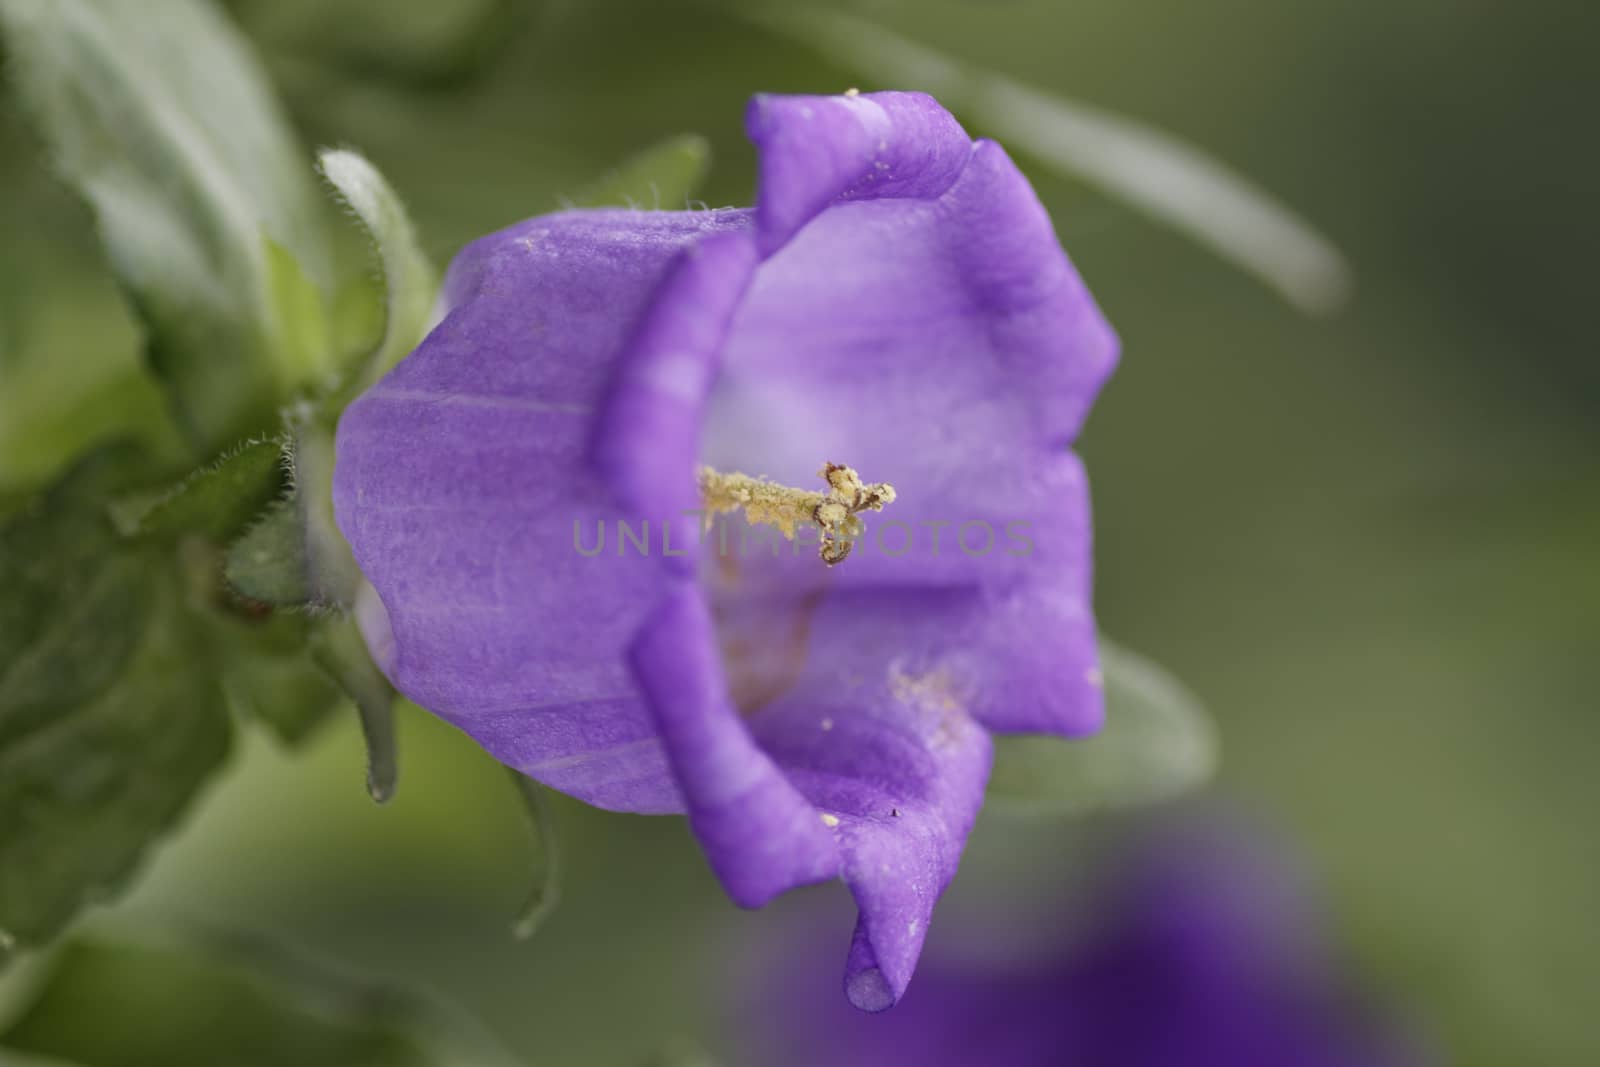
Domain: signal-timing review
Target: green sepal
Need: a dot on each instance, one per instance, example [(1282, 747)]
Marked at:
[(338, 648), (269, 674), (410, 283), (1157, 741), (219, 500), (662, 177), (544, 889), (268, 563), (294, 555)]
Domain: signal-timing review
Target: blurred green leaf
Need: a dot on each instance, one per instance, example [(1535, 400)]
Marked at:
[(1170, 180), (72, 594), (410, 282), (181, 1007), (338, 647), (110, 714), (425, 45), (49, 417), (1157, 741), (70, 371), (159, 116), (220, 499), (662, 177)]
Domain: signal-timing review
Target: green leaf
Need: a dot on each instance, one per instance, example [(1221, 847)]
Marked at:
[(219, 500), (1157, 741), (544, 893), (50, 417), (70, 608), (110, 714), (339, 649), (410, 282), (160, 117), (662, 177), (1169, 179), (182, 1006)]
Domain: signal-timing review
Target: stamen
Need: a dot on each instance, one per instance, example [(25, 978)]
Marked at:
[(836, 512)]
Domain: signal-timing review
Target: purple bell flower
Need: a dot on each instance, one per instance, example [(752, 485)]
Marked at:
[(527, 495)]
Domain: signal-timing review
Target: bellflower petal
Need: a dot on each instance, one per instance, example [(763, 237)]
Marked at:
[(759, 834), (461, 478), (896, 301)]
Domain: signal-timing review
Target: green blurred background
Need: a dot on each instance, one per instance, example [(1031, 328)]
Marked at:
[(1370, 542)]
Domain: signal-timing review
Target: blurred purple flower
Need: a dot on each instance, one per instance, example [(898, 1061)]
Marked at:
[(896, 301), (1200, 954)]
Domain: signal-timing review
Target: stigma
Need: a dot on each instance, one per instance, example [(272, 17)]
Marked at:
[(835, 512)]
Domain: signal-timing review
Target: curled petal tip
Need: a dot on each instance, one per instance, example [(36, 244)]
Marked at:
[(869, 990)]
